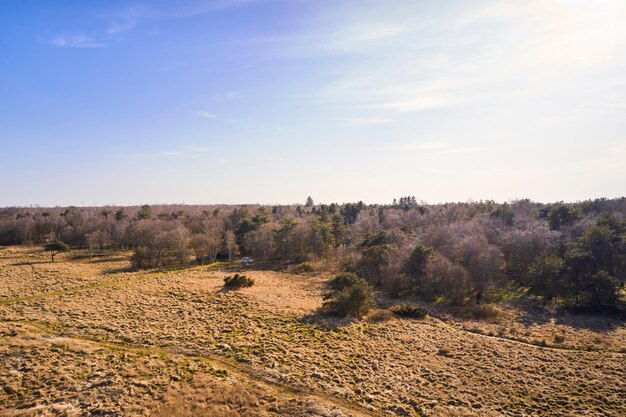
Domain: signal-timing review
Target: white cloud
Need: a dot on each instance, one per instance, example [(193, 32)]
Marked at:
[(227, 95), (261, 125), (417, 104), (434, 148), (548, 39), (503, 53), (206, 115), (76, 41), (364, 121), (187, 151), (122, 26), (198, 149), (170, 153), (361, 38), (129, 18)]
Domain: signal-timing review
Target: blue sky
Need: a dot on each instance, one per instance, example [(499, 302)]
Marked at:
[(235, 101)]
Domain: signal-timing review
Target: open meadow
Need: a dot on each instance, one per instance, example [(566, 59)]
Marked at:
[(90, 336)]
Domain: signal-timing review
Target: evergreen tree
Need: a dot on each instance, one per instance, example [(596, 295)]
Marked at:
[(56, 247)]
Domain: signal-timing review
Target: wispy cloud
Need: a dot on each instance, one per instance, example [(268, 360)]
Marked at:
[(364, 121), (252, 123), (361, 38), (417, 104), (196, 149), (127, 19), (232, 120), (122, 26), (76, 41), (548, 39), (206, 115), (434, 148), (170, 153), (227, 95), (187, 151), (497, 54)]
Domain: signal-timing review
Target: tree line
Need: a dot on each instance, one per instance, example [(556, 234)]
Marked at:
[(457, 253)]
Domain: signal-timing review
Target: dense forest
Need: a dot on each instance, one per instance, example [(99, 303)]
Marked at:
[(573, 254)]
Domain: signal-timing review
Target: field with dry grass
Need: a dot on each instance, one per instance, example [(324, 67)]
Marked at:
[(88, 336)]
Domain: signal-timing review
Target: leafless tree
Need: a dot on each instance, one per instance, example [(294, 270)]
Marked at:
[(230, 242)]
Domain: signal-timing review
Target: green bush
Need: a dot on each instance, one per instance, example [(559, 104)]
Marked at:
[(349, 295), (303, 268), (56, 247), (238, 281), (479, 312), (408, 310)]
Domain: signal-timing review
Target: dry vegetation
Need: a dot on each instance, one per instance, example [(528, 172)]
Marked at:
[(88, 336)]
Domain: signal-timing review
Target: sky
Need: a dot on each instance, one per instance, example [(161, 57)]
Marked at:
[(269, 101)]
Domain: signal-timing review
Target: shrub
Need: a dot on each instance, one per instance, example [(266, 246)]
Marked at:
[(349, 295), (238, 281), (408, 310), (303, 268), (56, 247), (478, 312), (379, 316), (443, 352)]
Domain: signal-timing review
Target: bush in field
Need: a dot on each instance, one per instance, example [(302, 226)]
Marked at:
[(478, 312), (56, 247), (238, 281), (408, 310), (349, 295), (303, 268)]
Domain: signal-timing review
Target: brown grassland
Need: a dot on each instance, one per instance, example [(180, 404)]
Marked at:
[(91, 337)]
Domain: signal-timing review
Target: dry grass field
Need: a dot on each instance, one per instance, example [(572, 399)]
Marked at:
[(90, 337)]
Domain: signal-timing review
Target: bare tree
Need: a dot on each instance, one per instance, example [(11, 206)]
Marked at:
[(213, 230), (230, 241)]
